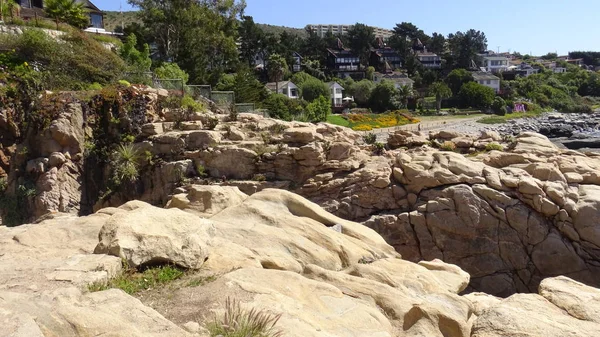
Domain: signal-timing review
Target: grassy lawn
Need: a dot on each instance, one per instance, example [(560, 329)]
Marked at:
[(503, 119), (338, 120), (367, 122)]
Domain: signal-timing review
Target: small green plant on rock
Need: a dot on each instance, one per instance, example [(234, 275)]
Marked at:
[(448, 146), (370, 138), (233, 113), (132, 281), (238, 322), (277, 128), (379, 148), (259, 177), (125, 164), (266, 137), (493, 147), (201, 170)]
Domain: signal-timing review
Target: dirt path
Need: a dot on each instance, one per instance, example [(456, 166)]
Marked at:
[(442, 123)]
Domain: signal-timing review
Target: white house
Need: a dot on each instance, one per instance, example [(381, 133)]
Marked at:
[(337, 94), (559, 70), (494, 63), (399, 79), (285, 87), (487, 79)]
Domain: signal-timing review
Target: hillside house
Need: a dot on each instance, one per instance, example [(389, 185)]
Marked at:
[(35, 8), (429, 60), (344, 63), (399, 79), (297, 63), (494, 63), (337, 94), (284, 87), (487, 79)]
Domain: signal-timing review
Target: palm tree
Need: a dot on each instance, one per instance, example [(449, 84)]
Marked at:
[(276, 67), (441, 91), (68, 11), (404, 92)]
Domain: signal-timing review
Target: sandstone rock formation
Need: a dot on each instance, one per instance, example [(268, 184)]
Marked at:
[(510, 218), (272, 251)]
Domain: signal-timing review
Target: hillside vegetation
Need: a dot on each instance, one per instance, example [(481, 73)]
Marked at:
[(114, 19)]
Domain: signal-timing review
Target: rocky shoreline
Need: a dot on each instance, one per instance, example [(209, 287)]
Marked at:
[(571, 131)]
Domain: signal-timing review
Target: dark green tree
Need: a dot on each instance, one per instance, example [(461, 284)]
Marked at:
[(384, 97), (463, 48), (476, 95), (200, 36), (360, 38), (457, 78), (361, 91), (277, 106), (441, 91), (276, 67), (319, 109), (312, 88), (67, 11), (251, 39), (437, 44)]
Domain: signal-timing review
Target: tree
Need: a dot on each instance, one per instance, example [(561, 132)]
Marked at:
[(314, 47), (319, 109), (550, 56), (171, 71), (200, 36), (437, 44), (404, 93), (441, 91), (411, 32), (499, 106), (277, 106), (457, 78), (137, 60), (247, 87), (11, 7), (276, 67), (300, 77), (384, 97), (465, 47), (67, 11), (360, 37), (312, 89), (361, 91), (476, 95), (251, 39)]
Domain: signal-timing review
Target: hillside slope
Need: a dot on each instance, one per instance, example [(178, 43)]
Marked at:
[(114, 19)]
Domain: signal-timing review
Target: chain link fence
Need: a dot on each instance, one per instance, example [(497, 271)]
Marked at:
[(197, 91), (223, 98)]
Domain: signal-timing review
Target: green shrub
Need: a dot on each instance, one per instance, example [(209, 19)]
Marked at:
[(494, 147), (259, 177), (69, 62), (125, 164), (378, 148), (189, 103), (169, 71), (95, 86), (370, 138), (448, 146), (124, 83), (499, 106), (318, 109), (132, 281), (237, 322)]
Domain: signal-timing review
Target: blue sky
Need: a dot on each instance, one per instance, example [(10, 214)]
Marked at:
[(536, 26)]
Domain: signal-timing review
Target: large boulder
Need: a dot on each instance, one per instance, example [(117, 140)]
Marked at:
[(148, 235), (565, 308), (207, 200)]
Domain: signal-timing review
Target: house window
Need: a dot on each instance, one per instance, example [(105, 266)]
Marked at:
[(293, 92), (96, 20), (338, 90), (489, 82)]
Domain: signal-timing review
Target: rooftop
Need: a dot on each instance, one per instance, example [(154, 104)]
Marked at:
[(482, 75), (273, 86)]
